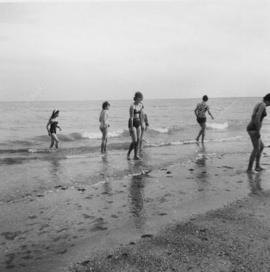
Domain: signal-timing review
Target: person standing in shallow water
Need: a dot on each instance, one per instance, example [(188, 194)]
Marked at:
[(253, 129), (51, 127), (104, 125), (135, 124), (200, 113)]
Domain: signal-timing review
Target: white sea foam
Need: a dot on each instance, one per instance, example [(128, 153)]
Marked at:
[(220, 126)]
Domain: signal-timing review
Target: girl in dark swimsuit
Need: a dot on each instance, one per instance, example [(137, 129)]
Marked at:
[(253, 129), (200, 111), (135, 124), (51, 126)]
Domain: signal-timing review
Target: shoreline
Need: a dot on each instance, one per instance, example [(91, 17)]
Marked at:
[(52, 229)]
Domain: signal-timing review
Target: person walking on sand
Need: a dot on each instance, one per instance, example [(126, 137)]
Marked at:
[(51, 127), (104, 125), (135, 124), (145, 125), (200, 113), (253, 129)]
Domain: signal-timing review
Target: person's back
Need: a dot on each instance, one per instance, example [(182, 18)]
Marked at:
[(103, 118), (259, 111), (202, 108)]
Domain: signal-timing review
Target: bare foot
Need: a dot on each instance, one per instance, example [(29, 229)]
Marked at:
[(259, 168), (250, 171), (137, 158)]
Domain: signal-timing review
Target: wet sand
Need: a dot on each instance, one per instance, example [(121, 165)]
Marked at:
[(53, 229), (235, 238)]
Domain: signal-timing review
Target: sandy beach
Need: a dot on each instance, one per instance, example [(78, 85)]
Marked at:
[(235, 238), (52, 229)]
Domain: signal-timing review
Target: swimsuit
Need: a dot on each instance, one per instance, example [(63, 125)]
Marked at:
[(201, 120), (252, 124), (201, 109), (53, 126), (136, 121)]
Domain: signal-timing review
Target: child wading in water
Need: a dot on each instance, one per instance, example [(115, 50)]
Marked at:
[(200, 111), (52, 126), (104, 125)]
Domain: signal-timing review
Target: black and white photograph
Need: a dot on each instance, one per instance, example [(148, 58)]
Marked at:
[(134, 136)]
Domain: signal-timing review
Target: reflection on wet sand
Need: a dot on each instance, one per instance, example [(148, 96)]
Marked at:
[(136, 200), (55, 170), (200, 163), (254, 181)]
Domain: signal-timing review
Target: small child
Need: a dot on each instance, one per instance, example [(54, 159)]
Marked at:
[(51, 127), (104, 125)]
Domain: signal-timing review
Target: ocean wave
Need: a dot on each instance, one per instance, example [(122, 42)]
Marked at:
[(15, 156), (111, 134), (217, 126)]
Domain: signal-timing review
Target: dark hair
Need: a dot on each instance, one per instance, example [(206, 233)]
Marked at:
[(105, 105), (205, 98), (54, 113), (266, 97), (138, 95)]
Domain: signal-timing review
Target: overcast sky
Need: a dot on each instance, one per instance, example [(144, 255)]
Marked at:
[(109, 50)]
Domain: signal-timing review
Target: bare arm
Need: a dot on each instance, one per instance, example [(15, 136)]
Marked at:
[(106, 118), (210, 113), (258, 117), (196, 111), (131, 113), (47, 126)]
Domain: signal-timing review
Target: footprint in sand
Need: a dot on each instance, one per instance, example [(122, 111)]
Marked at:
[(87, 216), (62, 251), (147, 235), (162, 214), (11, 235), (9, 260), (99, 224)]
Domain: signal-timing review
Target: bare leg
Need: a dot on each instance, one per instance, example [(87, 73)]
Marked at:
[(56, 141), (52, 142), (256, 149), (133, 143), (258, 157), (201, 132), (137, 143), (104, 139), (141, 140)]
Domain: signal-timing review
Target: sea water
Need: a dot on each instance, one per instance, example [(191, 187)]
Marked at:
[(27, 164)]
